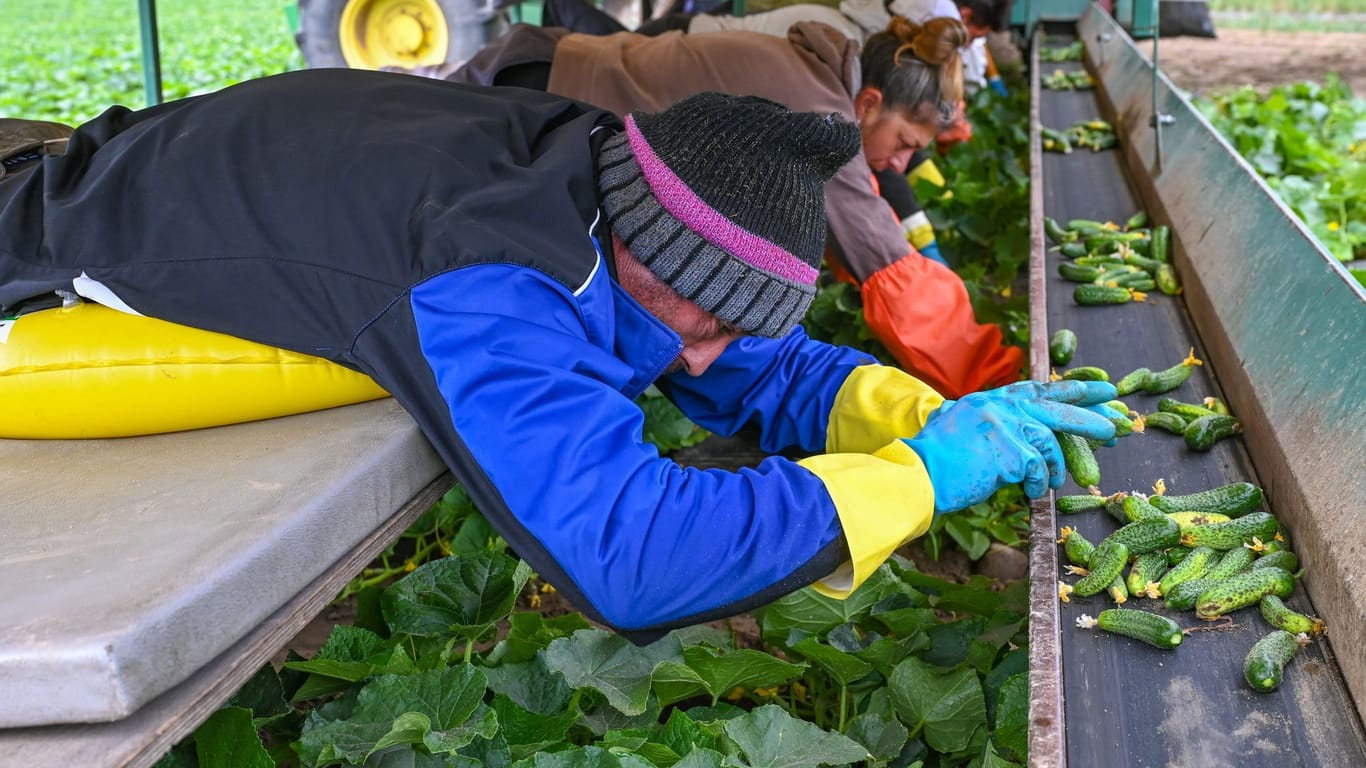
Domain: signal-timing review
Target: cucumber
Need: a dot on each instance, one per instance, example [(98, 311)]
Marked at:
[(1174, 423), (1137, 221), (1217, 405), (1193, 567), (1118, 591), (1142, 262), (1106, 263), (1079, 273), (1147, 535), (1138, 281), (1146, 569), (1167, 281), (1188, 411), (1080, 460), (1278, 615), (1234, 500), (1182, 597), (1062, 346), (1198, 518), (1161, 243), (1136, 507), (1089, 227), (1157, 631), (1086, 373), (1132, 381), (1234, 562), (1166, 380), (1107, 562), (1176, 554), (1204, 432), (1074, 250), (1242, 590), (1283, 559), (1054, 230), (1082, 502), (1096, 295), (1265, 662), (1124, 425), (1234, 533), (1076, 546)]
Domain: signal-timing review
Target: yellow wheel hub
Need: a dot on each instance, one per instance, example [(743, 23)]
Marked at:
[(403, 33)]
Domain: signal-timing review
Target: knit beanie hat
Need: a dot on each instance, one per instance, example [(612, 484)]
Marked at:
[(722, 197)]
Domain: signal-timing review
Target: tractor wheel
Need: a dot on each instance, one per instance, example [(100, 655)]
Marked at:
[(375, 34)]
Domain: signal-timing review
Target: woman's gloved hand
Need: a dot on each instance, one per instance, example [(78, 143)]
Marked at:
[(975, 445)]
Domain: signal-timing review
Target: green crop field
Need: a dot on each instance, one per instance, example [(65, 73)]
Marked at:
[(67, 60)]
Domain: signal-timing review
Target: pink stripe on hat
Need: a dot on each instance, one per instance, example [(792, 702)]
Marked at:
[(684, 204)]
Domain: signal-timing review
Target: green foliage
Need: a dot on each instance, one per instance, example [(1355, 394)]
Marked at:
[(1309, 142), (982, 219), (911, 668), (67, 60)]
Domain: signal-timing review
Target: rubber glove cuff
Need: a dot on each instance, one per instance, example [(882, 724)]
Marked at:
[(931, 252)]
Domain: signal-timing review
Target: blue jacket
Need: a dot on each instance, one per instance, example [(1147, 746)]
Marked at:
[(446, 240)]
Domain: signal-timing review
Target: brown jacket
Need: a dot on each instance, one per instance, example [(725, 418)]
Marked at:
[(815, 69)]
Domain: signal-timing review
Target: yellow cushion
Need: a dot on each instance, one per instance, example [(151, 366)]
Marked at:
[(90, 371)]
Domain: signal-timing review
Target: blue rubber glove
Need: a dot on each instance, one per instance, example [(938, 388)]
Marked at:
[(931, 252), (974, 446), (998, 86)]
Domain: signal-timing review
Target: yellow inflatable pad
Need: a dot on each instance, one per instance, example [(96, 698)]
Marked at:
[(90, 371)]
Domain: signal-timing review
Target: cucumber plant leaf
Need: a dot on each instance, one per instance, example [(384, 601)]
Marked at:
[(584, 757), (1012, 716), (943, 707), (745, 668), (611, 665), (532, 685), (882, 737), (461, 596), (228, 739), (771, 738)]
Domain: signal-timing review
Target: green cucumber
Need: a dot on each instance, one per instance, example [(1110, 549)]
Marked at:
[(1088, 226), (1174, 423), (1086, 373), (1157, 631), (1242, 590), (1132, 381), (1076, 546), (1281, 558), (1161, 239), (1182, 597), (1062, 346), (1147, 568), (1137, 221), (1234, 500), (1055, 231), (1167, 281), (1193, 567), (1265, 662), (1166, 380), (1107, 562), (1142, 262), (1188, 411), (1097, 295), (1118, 591), (1217, 405), (1278, 615), (1074, 250), (1234, 562), (1106, 263), (1081, 502), (1204, 432), (1079, 273), (1198, 518), (1136, 507), (1176, 554), (1234, 533), (1146, 535), (1080, 459), (1134, 281)]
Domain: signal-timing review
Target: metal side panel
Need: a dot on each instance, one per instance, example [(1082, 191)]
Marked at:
[(1281, 319), (126, 565)]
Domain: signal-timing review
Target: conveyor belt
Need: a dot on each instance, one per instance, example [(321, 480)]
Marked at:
[(1125, 703)]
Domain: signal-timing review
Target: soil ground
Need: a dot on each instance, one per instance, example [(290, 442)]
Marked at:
[(1260, 59)]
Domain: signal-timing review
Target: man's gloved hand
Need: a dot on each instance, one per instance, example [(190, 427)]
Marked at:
[(973, 446), (930, 251)]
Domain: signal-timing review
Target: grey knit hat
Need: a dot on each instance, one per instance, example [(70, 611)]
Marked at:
[(722, 197)]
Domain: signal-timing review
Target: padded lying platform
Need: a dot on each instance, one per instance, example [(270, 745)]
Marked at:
[(127, 565)]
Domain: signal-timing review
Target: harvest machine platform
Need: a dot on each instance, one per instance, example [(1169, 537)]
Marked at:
[(1279, 325)]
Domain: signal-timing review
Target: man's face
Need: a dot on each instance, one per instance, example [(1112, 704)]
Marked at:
[(704, 335)]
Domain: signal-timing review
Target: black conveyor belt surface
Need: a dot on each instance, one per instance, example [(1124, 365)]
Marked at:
[(1126, 703)]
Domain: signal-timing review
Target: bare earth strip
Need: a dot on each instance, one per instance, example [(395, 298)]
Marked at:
[(1261, 59)]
